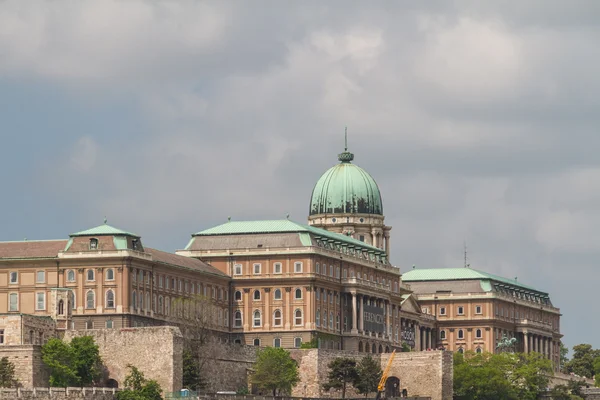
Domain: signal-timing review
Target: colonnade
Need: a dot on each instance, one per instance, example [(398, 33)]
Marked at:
[(543, 344)]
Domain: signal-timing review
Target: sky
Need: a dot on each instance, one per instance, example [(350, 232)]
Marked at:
[(478, 120)]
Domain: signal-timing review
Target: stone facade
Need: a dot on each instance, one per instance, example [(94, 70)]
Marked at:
[(424, 374), (45, 393), (157, 352), (29, 369)]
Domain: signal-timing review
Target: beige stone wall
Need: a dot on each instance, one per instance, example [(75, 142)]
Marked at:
[(29, 369), (426, 374), (157, 352), (26, 329), (44, 393)]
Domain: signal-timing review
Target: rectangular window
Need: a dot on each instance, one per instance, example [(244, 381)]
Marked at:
[(460, 310), (179, 281), (40, 277), (277, 342), (160, 281), (1, 336), (298, 267), (109, 324), (237, 269), (277, 268), (477, 309), (40, 303), (13, 304), (442, 310), (256, 269), (14, 277)]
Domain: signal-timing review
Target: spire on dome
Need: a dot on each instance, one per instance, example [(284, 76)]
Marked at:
[(346, 156)]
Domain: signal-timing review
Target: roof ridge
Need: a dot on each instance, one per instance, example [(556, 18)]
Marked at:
[(33, 241)]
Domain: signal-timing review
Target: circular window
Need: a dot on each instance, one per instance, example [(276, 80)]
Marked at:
[(362, 220), (333, 219)]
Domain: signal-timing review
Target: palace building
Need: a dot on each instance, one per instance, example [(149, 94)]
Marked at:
[(272, 283)]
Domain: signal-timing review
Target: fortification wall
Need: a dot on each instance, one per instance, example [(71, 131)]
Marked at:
[(155, 351), (227, 366), (425, 374), (58, 393), (29, 369)]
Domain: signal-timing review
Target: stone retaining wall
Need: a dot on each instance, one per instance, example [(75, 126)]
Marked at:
[(59, 393), (30, 371)]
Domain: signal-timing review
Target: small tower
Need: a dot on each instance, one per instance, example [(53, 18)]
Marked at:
[(61, 306)]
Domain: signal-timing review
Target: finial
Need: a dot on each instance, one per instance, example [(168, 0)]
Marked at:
[(229, 219), (105, 220), (287, 216), (414, 266), (515, 278), (25, 239), (346, 139)]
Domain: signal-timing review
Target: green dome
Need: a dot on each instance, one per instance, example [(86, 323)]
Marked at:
[(346, 189)]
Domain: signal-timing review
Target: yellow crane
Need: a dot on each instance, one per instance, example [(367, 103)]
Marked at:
[(384, 376)]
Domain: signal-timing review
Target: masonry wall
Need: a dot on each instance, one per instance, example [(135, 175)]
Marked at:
[(227, 366), (20, 329), (155, 351), (58, 393), (29, 369), (425, 374)]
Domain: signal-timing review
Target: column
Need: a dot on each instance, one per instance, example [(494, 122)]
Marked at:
[(80, 301), (247, 317), (430, 340), (267, 316), (288, 310), (525, 342), (354, 327), (100, 298), (361, 316), (388, 320), (387, 243)]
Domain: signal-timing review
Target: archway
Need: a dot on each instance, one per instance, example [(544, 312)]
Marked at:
[(360, 347), (380, 349), (392, 387), (374, 349), (111, 383)]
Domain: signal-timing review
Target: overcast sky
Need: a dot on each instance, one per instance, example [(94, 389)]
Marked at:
[(479, 121)]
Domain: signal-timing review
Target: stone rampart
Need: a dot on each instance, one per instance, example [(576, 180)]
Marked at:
[(58, 393), (30, 371), (425, 374), (592, 393), (156, 351), (226, 366)]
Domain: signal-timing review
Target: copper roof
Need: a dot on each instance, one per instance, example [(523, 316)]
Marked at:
[(32, 249)]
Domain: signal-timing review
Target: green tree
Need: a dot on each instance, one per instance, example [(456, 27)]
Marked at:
[(597, 371), (369, 373), (7, 373), (505, 375), (564, 350), (137, 387), (582, 363), (342, 371), (77, 363), (191, 372), (275, 370)]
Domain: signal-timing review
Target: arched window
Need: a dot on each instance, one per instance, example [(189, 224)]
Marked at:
[(331, 271), (478, 350), (298, 342), (337, 322), (373, 348), (256, 342), (90, 275), (318, 268), (461, 350), (147, 300), (90, 299), (257, 295), (330, 320), (61, 307), (110, 274), (94, 244), (461, 334), (237, 319), (154, 303), (110, 299), (337, 272), (160, 304), (134, 299), (277, 318), (298, 317), (318, 318), (238, 296), (70, 276), (298, 294), (141, 300), (257, 319), (443, 335), (478, 333), (277, 295), (167, 306), (360, 347)]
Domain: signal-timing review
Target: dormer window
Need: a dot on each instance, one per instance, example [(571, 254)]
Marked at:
[(93, 244), (134, 244)]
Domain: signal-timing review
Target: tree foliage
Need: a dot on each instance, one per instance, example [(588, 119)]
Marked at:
[(7, 373), (275, 370), (77, 363), (192, 378), (368, 372), (137, 387), (564, 350), (342, 371), (507, 376), (582, 363)]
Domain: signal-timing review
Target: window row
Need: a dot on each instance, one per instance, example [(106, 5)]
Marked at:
[(460, 310), (238, 269), (460, 334), (332, 318), (277, 295), (257, 321), (40, 301), (40, 276), (180, 285), (276, 342)]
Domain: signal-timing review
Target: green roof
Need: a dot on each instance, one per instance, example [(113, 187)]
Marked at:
[(103, 230), (448, 274), (346, 189), (284, 226)]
